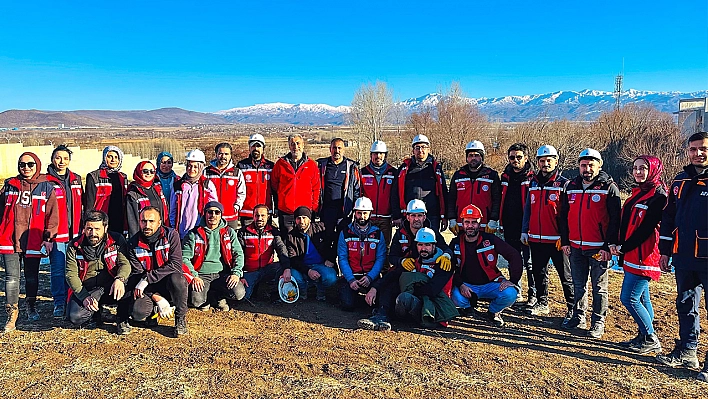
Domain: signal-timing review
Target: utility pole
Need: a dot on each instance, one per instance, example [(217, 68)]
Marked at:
[(618, 88)]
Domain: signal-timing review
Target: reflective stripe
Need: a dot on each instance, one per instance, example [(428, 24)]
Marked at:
[(642, 267), (104, 185), (485, 249), (588, 243), (403, 241), (463, 179), (504, 183), (63, 235), (666, 238), (161, 247), (641, 206), (484, 180), (364, 240), (79, 257), (33, 252), (588, 191), (541, 237), (380, 216)]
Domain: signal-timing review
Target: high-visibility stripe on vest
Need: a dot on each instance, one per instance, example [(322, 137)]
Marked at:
[(258, 248), (544, 205), (643, 260), (588, 217), (37, 222), (379, 192), (104, 189), (438, 185), (201, 247), (144, 201), (226, 184), (361, 251), (477, 191), (257, 179), (110, 255), (487, 255)]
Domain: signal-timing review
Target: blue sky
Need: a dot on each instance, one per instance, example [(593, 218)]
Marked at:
[(213, 55)]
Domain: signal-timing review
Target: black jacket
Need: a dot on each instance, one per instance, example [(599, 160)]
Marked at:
[(296, 242)]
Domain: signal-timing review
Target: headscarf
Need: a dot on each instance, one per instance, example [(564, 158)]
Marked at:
[(158, 161), (199, 174), (138, 174), (656, 169), (37, 167), (120, 158)]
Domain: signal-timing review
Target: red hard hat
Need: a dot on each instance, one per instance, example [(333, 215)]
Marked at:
[(471, 212)]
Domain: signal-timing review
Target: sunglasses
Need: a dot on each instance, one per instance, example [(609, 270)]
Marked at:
[(148, 172), (213, 212), (26, 164), (518, 157)]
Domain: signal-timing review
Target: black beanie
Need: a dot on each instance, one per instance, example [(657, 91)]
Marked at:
[(303, 211)]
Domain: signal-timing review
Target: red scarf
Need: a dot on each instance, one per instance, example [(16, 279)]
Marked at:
[(656, 169), (138, 174)]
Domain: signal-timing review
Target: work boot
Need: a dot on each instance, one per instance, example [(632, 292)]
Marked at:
[(596, 331), (12, 313), (180, 327), (494, 318), (222, 306), (703, 375), (632, 342), (123, 328), (58, 312), (576, 321), (540, 309), (679, 357), (648, 343), (32, 314), (531, 302)]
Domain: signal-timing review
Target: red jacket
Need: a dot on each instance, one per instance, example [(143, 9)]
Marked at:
[(379, 192), (201, 247), (593, 214), (543, 208), (643, 260), (230, 189), (479, 191), (293, 189), (257, 180)]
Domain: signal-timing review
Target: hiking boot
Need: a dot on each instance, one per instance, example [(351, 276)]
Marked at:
[(123, 328), (703, 375), (222, 306), (180, 327), (632, 342), (679, 357), (576, 321), (12, 313), (596, 331), (647, 344), (540, 309), (32, 314), (58, 312), (375, 323), (494, 318)]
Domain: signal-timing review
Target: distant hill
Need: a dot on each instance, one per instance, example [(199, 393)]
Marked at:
[(158, 117)]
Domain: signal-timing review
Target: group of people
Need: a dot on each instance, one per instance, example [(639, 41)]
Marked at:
[(163, 243)]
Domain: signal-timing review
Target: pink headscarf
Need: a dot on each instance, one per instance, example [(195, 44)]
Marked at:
[(656, 169)]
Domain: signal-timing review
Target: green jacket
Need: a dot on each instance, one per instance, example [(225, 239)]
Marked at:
[(213, 263), (436, 309)]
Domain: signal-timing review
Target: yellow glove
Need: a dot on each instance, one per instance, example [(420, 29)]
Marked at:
[(444, 263), (492, 226), (408, 264), (559, 245), (454, 227)]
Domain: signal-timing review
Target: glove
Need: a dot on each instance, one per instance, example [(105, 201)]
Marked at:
[(408, 264), (492, 226), (164, 310), (559, 246), (444, 262), (454, 227), (525, 239), (142, 285)]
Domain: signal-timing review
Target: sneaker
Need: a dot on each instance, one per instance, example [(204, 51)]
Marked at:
[(576, 321), (32, 314), (632, 342), (204, 308), (566, 319), (58, 312), (596, 331), (375, 323), (647, 344), (222, 306), (531, 302), (123, 328), (540, 309), (679, 357), (494, 318), (180, 327)]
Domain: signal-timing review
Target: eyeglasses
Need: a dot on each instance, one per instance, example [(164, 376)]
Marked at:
[(420, 147), (26, 164), (148, 172), (518, 157), (169, 161), (213, 212)]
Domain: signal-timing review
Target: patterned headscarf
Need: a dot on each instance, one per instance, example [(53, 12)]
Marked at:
[(656, 169), (120, 158)]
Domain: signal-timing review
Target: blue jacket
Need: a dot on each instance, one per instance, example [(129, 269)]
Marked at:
[(684, 223), (343, 253)]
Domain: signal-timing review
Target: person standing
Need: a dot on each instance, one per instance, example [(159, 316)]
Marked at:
[(684, 239), (379, 182), (257, 172), (190, 194), (229, 183), (165, 161), (144, 191), (106, 189)]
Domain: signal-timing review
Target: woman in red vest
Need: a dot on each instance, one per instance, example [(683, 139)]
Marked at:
[(30, 222), (106, 189), (144, 191), (638, 249)]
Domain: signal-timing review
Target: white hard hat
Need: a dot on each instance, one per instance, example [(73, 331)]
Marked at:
[(590, 153), (475, 145), (363, 204), (420, 138), (378, 146), (257, 138), (196, 155), (546, 151), (425, 235), (289, 292), (416, 206)]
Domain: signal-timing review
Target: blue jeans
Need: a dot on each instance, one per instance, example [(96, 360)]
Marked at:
[(57, 279), (328, 277), (269, 272), (635, 297), (500, 300)]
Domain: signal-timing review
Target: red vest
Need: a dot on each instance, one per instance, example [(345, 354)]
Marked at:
[(104, 188), (37, 222), (258, 248), (505, 187), (257, 180), (63, 228), (438, 185), (406, 240), (201, 247), (226, 184), (144, 201), (202, 201), (545, 202), (361, 253), (379, 192), (644, 260), (486, 255), (76, 211), (587, 216), (474, 191), (109, 256)]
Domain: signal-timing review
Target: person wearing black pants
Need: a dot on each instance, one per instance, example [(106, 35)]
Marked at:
[(539, 267)]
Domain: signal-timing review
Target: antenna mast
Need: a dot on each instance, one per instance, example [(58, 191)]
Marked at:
[(618, 88)]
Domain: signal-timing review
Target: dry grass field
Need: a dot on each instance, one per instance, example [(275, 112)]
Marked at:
[(314, 350)]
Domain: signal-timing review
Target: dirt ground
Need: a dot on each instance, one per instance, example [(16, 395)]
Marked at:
[(311, 349)]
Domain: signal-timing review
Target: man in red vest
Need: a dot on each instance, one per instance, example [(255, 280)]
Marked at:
[(96, 271), (229, 183), (214, 258), (260, 241), (379, 182), (477, 274), (257, 171), (592, 211), (155, 256)]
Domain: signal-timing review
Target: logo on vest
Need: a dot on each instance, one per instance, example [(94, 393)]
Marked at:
[(596, 198), (389, 181), (231, 182), (372, 245), (490, 257), (248, 178), (553, 197), (487, 243), (485, 188), (533, 198)]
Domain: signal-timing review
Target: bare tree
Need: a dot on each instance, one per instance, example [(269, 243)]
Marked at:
[(370, 112)]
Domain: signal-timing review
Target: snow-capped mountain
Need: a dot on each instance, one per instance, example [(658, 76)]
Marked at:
[(575, 105)]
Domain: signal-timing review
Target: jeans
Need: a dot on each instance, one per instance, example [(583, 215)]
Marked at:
[(77, 314), (269, 272), (57, 280), (172, 287), (500, 300), (583, 264), (542, 253), (635, 297), (12, 277), (214, 290), (690, 284), (349, 298), (328, 277)]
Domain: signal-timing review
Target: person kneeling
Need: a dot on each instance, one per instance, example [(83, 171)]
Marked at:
[(96, 271), (477, 275), (212, 255)]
